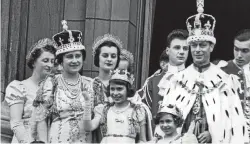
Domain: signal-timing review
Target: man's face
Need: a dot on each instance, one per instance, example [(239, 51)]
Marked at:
[(177, 52), (201, 51), (242, 52)]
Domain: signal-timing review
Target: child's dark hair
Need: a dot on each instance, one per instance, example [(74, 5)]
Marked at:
[(59, 57), (177, 120), (130, 90), (98, 51)]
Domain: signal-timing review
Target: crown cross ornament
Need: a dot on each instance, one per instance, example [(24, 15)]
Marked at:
[(201, 26), (79, 37), (122, 74), (71, 38), (61, 40)]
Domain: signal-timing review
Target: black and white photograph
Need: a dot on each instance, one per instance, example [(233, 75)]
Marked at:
[(125, 71)]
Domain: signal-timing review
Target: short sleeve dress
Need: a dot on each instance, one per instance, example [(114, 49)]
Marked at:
[(19, 92)]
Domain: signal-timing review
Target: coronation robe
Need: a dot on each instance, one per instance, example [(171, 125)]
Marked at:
[(151, 93), (242, 85), (219, 100)]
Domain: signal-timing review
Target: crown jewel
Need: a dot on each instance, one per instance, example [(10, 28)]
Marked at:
[(68, 40), (172, 109), (107, 37), (122, 74), (201, 26)]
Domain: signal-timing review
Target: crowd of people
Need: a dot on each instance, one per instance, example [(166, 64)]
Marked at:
[(206, 102)]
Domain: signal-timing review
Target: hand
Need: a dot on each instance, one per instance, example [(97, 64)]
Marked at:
[(86, 96), (204, 137)]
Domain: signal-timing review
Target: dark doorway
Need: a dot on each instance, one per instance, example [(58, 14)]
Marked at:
[(231, 16)]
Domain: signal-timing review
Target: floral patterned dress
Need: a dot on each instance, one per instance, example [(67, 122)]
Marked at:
[(100, 92), (19, 92), (122, 126), (65, 108)]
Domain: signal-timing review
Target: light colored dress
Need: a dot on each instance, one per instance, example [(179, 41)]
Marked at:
[(122, 126), (20, 92), (65, 108), (178, 139)]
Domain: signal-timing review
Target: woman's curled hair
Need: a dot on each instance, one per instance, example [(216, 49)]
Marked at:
[(98, 52), (43, 45)]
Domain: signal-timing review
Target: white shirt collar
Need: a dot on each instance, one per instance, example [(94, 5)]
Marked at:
[(174, 69)]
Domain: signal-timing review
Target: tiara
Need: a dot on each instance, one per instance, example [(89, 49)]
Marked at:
[(122, 74), (127, 55), (40, 44), (172, 109), (107, 37)]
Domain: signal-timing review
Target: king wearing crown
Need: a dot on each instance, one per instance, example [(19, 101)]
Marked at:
[(203, 92)]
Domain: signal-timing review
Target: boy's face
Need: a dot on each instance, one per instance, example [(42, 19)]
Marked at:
[(242, 52), (178, 52), (167, 124), (118, 93)]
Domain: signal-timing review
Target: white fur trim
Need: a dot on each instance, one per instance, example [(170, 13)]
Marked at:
[(222, 63)]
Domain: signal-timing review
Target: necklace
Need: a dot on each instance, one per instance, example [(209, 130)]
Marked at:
[(118, 111), (72, 92), (72, 84)]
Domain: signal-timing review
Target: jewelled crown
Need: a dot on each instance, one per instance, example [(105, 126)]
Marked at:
[(125, 54), (122, 74), (107, 37), (172, 109), (68, 40), (201, 26)]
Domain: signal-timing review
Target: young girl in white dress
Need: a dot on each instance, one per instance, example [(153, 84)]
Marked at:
[(169, 118), (120, 121)]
